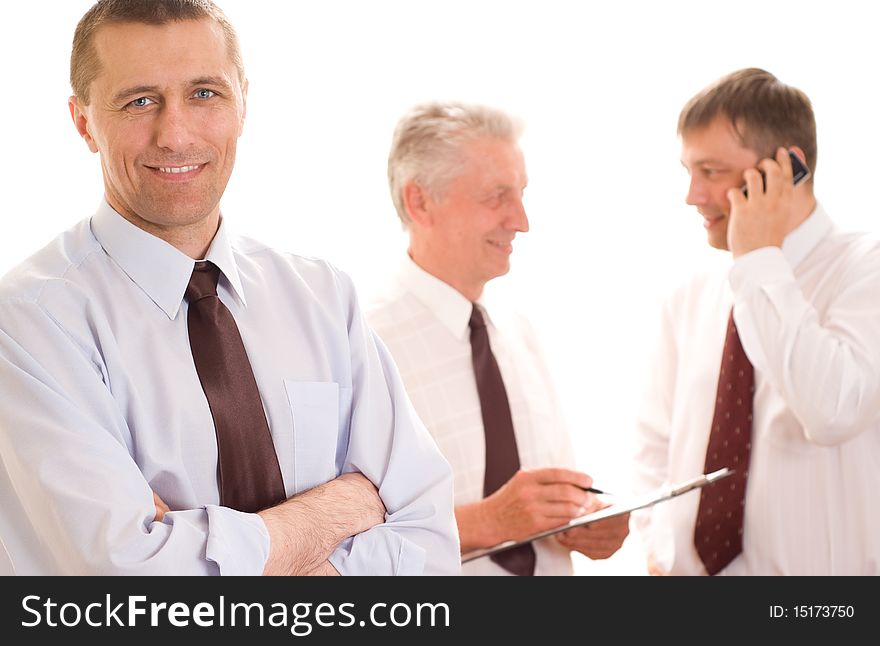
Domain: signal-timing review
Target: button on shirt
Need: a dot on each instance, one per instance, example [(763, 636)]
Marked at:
[(101, 403), (424, 323), (808, 316)]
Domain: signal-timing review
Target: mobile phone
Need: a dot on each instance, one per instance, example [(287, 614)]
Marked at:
[(799, 172)]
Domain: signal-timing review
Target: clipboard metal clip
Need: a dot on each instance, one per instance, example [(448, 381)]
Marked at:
[(702, 481)]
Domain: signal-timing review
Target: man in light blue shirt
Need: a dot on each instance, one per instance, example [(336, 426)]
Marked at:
[(104, 423)]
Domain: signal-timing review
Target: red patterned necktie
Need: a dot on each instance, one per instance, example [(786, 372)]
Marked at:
[(502, 456), (719, 530), (248, 472)]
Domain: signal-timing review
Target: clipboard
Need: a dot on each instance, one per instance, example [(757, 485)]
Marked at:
[(616, 509)]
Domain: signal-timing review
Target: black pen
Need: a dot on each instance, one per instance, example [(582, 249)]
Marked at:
[(592, 490)]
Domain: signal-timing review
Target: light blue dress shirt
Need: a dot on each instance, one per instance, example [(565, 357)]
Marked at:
[(100, 404)]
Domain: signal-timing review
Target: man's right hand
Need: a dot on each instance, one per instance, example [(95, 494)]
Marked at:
[(161, 508), (531, 501)]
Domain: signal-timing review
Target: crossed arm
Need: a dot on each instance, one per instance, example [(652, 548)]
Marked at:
[(305, 529)]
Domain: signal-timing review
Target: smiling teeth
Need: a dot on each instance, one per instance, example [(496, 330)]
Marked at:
[(178, 169)]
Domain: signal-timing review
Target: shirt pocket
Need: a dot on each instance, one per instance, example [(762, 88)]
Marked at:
[(314, 406)]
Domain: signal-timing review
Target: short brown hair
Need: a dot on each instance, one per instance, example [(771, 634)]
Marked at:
[(84, 63), (764, 112), (427, 143)]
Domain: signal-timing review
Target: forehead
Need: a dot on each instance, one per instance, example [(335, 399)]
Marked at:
[(137, 53), (717, 141), (493, 159)]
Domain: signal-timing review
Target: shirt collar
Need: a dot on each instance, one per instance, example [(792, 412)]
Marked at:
[(447, 303), (800, 242), (158, 268)]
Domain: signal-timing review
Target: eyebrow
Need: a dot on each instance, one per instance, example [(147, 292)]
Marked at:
[(215, 81), (711, 161)]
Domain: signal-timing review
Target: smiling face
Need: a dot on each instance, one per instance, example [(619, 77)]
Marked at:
[(476, 218), (165, 114), (715, 160)]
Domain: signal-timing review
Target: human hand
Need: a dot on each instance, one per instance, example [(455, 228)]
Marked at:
[(654, 568), (762, 219), (535, 500), (161, 508), (597, 540)]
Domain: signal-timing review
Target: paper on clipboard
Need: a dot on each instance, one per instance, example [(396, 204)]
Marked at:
[(616, 509)]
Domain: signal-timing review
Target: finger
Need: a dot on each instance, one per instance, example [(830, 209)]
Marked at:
[(564, 476), (560, 511), (754, 182), (775, 177), (736, 198), (565, 493), (595, 548), (161, 507), (784, 161), (612, 533)]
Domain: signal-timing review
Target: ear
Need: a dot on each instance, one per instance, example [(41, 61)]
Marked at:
[(417, 203), (797, 150), (244, 93), (81, 121)]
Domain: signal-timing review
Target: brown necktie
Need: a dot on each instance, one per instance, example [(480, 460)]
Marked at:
[(248, 471), (719, 530), (502, 457)]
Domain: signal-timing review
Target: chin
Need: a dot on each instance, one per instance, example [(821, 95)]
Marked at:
[(718, 244), (176, 212)]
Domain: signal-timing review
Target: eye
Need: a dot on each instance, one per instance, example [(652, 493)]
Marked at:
[(204, 94), (494, 200), (141, 102)]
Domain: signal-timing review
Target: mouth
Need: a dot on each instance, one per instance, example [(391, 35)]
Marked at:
[(503, 246), (177, 173), (711, 219)]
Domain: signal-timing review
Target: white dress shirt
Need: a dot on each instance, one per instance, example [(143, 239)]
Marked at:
[(100, 402), (808, 316), (424, 323)]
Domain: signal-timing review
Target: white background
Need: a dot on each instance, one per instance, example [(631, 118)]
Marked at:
[(599, 86)]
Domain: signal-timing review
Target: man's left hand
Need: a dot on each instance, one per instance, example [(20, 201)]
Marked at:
[(597, 540)]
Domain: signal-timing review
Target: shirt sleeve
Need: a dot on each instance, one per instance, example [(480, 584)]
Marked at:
[(826, 367), (390, 445), (75, 501)]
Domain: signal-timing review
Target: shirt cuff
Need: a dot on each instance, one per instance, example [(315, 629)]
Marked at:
[(237, 542), (379, 551), (757, 269)]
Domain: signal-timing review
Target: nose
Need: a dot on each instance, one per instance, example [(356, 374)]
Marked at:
[(696, 194), (517, 220), (174, 128)]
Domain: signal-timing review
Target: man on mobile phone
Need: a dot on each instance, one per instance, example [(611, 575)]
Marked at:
[(771, 367)]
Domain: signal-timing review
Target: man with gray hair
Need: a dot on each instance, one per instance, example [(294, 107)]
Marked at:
[(473, 369)]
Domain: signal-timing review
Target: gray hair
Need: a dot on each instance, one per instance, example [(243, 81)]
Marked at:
[(427, 144)]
